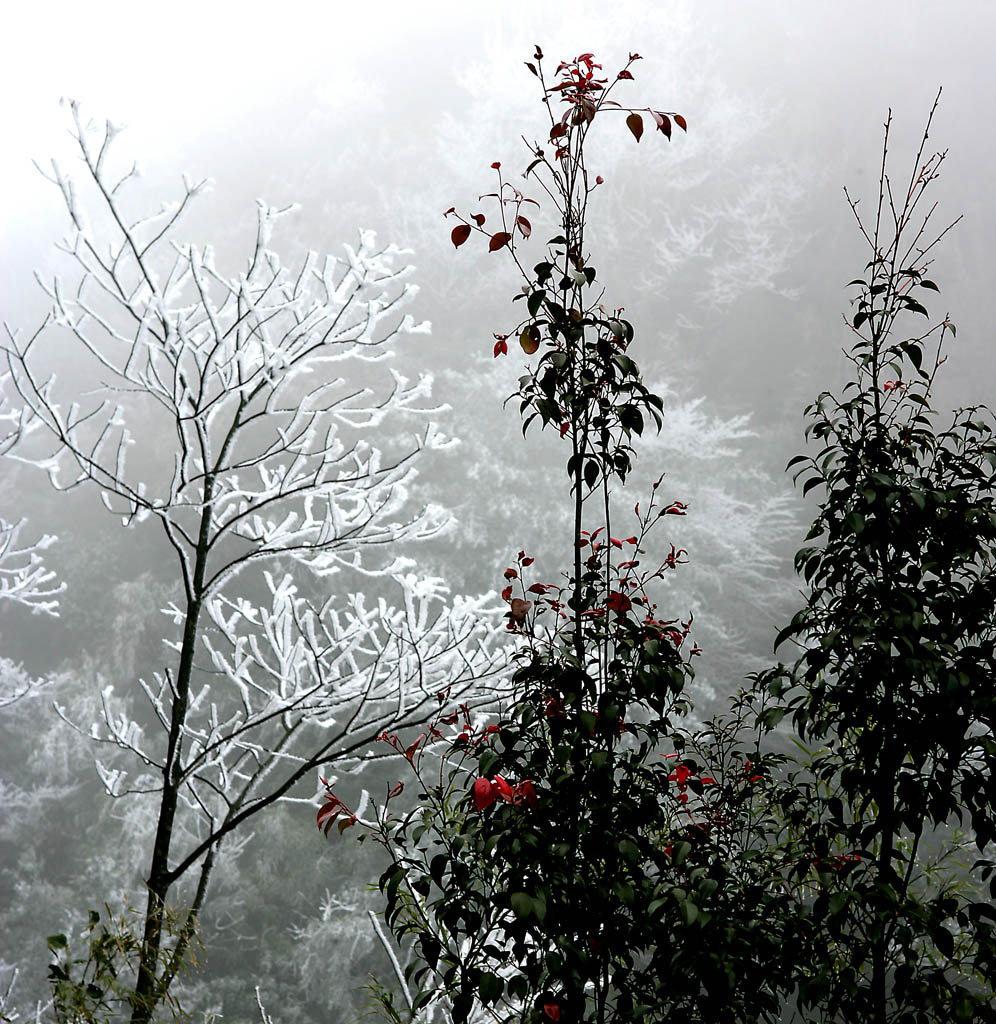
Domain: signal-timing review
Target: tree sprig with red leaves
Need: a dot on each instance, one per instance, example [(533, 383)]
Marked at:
[(556, 866)]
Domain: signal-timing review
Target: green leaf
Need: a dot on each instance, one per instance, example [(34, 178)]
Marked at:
[(56, 942), (681, 851), (490, 987), (521, 903), (535, 301)]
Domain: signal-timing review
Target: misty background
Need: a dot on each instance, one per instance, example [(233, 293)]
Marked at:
[(729, 248)]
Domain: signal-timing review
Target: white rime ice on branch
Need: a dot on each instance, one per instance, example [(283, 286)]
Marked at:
[(238, 412), (23, 578)]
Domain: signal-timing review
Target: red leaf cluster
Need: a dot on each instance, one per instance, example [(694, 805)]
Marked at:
[(487, 791)]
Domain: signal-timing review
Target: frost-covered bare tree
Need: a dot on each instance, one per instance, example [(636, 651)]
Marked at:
[(233, 416)]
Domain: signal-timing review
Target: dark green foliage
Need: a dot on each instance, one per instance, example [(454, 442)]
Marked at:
[(894, 685), (587, 858)]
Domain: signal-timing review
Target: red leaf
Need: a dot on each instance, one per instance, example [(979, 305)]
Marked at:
[(498, 240), (665, 125), (557, 130), (615, 542), (484, 794), (635, 124), (501, 348), (496, 165), (538, 588), (452, 209), (552, 1010), (526, 561), (681, 122), (624, 74), (511, 574), (618, 603), (599, 179), (524, 226), (396, 791), (479, 217), (532, 67), (460, 234), (506, 594), (502, 788)]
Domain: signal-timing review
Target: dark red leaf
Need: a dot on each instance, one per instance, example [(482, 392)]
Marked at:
[(506, 594), (524, 226), (479, 218), (532, 68), (624, 74), (635, 124), (529, 339), (497, 165), (665, 124), (557, 130), (501, 348), (460, 234), (452, 209), (525, 792), (681, 122), (410, 752), (499, 240), (520, 609)]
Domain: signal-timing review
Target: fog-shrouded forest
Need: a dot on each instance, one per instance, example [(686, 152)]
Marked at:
[(299, 546)]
